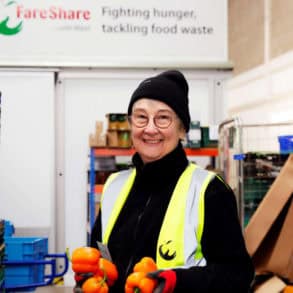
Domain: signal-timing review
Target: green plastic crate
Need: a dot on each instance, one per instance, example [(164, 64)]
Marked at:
[(206, 142)]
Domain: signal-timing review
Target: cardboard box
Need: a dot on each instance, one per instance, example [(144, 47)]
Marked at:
[(112, 138), (269, 233), (99, 128), (97, 141), (100, 138)]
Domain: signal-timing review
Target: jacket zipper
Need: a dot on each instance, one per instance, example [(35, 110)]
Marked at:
[(127, 271)]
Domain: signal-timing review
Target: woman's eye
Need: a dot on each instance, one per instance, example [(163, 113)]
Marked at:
[(141, 116), (163, 117)]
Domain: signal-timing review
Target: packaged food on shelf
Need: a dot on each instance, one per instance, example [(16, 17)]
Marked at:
[(209, 136), (117, 121), (98, 138), (194, 135), (112, 138), (123, 121), (118, 138), (124, 140)]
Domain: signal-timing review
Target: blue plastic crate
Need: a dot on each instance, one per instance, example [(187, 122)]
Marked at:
[(25, 249), (24, 275), (286, 144), (8, 229)]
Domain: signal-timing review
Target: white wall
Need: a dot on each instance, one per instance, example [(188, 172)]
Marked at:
[(263, 96), (27, 154)]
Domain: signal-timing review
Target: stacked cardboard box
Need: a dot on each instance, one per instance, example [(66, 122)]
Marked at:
[(97, 139), (269, 233)]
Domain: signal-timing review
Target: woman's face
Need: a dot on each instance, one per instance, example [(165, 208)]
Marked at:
[(155, 129)]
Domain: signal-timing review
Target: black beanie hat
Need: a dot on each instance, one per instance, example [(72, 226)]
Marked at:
[(169, 87)]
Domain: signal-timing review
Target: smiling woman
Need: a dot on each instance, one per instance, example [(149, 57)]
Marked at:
[(53, 12), (168, 208)]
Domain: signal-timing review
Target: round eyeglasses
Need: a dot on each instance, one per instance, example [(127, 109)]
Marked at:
[(161, 120)]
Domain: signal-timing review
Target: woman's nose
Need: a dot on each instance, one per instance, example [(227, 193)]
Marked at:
[(151, 126)]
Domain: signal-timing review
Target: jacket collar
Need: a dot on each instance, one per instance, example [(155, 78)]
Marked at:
[(169, 166)]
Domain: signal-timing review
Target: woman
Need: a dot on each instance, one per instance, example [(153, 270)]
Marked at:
[(179, 214)]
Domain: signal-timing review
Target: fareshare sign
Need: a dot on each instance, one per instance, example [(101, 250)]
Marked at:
[(95, 33)]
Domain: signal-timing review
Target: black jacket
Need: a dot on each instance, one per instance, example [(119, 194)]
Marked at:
[(229, 267)]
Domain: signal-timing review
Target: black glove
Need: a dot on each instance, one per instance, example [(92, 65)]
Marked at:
[(80, 278), (166, 280)]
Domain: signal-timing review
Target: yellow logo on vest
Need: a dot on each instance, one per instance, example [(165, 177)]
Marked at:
[(167, 251)]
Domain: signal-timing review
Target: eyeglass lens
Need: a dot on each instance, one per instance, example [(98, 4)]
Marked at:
[(161, 120)]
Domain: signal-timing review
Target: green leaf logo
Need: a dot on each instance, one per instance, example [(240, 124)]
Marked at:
[(4, 27)]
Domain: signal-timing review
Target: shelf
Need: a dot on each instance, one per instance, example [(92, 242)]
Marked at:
[(210, 152), (99, 188), (113, 151)]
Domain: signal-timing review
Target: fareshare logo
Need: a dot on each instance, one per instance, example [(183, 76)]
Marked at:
[(5, 28)]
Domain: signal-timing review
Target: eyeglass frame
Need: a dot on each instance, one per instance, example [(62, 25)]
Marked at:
[(172, 118)]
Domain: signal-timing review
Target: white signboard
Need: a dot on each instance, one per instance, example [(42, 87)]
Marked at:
[(113, 33)]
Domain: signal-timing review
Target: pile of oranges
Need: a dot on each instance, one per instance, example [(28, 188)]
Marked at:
[(102, 272), (99, 273), (138, 281)]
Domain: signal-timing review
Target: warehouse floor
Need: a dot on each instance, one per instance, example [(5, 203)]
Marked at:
[(54, 289)]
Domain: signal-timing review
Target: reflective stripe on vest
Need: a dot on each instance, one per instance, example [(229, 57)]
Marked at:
[(114, 195), (179, 242)]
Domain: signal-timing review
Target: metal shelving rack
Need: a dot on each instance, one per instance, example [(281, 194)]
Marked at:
[(250, 159)]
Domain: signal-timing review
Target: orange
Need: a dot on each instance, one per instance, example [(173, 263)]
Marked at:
[(146, 264), (288, 289), (95, 285), (138, 281), (85, 259), (85, 254), (108, 270)]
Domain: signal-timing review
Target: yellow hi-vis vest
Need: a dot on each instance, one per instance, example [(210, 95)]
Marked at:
[(179, 242)]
